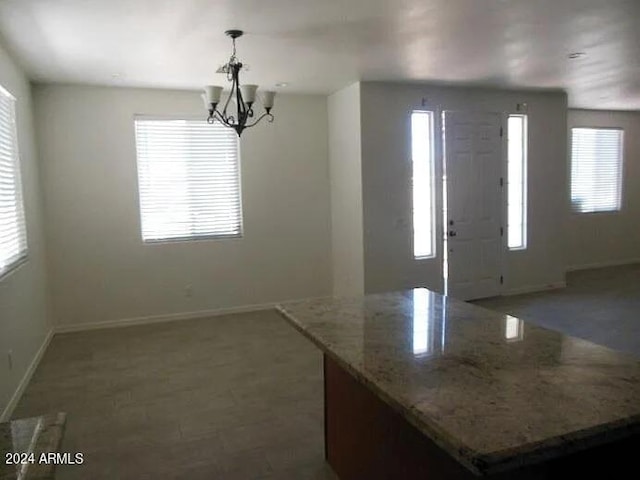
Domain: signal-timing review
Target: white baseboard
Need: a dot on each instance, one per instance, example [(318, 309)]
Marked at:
[(615, 263), (15, 398), (535, 288), (126, 322)]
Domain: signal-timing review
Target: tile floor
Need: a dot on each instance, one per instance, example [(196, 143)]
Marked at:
[(235, 397), (240, 396)]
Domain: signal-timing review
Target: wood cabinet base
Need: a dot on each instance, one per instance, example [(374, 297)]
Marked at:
[(366, 440)]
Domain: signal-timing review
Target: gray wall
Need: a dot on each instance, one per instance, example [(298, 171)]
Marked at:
[(102, 271), (346, 191), (24, 306), (386, 184), (598, 239)]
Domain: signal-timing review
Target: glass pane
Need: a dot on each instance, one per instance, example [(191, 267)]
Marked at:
[(516, 181), (422, 160), (514, 192), (515, 239)]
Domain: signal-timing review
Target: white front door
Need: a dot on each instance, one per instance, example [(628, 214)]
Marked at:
[(473, 153)]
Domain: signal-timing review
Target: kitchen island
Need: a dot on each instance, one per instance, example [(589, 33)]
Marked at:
[(419, 385)]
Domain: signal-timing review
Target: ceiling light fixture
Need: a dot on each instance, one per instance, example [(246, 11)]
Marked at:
[(243, 95)]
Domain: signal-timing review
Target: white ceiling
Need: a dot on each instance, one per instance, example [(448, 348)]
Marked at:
[(323, 45)]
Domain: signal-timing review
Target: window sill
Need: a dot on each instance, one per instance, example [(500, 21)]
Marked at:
[(207, 238), (599, 213), (421, 259), (15, 266)]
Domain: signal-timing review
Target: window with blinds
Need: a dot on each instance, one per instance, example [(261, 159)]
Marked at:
[(189, 180), (13, 234), (596, 169)]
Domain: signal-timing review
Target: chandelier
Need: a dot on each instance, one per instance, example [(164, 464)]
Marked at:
[(244, 96)]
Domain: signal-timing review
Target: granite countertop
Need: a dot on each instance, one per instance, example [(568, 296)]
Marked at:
[(35, 435), (494, 391)]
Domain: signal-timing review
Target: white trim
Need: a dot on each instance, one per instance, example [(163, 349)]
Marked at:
[(614, 263), (15, 398), (170, 317), (535, 288)]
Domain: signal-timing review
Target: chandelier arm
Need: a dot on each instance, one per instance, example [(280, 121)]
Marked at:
[(265, 114), (227, 121)]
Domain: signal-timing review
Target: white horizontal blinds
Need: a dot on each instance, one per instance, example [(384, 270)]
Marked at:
[(596, 169), (13, 236), (188, 174)]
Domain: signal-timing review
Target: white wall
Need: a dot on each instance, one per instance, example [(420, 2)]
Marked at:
[(346, 191), (597, 239), (24, 306), (386, 184), (102, 271)]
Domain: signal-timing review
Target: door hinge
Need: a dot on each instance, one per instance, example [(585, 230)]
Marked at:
[(501, 131), (501, 279), (501, 181), (502, 231)]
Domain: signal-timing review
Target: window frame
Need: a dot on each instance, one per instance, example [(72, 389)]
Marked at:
[(621, 189), (525, 183), (191, 238), (19, 189), (432, 167)]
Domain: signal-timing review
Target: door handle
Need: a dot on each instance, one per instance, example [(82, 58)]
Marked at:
[(452, 233)]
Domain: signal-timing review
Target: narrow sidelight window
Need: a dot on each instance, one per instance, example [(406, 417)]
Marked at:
[(517, 182), (423, 184)]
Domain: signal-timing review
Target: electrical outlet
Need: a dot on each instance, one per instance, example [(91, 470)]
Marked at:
[(188, 291), (10, 359)]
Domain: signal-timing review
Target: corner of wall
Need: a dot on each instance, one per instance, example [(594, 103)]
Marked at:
[(345, 170)]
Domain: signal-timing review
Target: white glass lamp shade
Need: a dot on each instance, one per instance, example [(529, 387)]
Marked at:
[(248, 93), (212, 94), (267, 98)]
